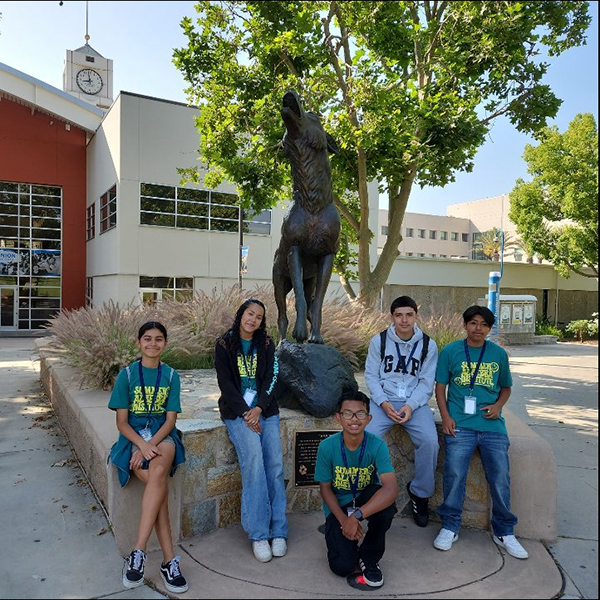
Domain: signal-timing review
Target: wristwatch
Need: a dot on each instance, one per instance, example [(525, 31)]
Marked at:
[(358, 514)]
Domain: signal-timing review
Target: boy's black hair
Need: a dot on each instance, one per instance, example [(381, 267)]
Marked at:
[(482, 311), (355, 397), (402, 302), (152, 325)]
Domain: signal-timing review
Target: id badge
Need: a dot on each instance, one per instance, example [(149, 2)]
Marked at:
[(249, 396), (402, 390), (351, 510), (470, 405), (145, 434)]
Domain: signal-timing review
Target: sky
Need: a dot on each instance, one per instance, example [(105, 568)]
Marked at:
[(140, 36)]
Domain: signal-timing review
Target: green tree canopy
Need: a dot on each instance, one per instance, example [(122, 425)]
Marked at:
[(407, 89), (557, 212)]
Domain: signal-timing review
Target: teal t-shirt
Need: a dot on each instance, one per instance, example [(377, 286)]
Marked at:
[(127, 392), (494, 373), (247, 367), (330, 466)]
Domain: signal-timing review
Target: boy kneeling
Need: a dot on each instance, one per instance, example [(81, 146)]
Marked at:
[(357, 482)]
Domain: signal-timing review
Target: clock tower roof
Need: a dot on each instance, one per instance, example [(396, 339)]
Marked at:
[(87, 49)]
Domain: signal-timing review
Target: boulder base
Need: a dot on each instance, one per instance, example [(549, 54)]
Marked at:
[(312, 377)]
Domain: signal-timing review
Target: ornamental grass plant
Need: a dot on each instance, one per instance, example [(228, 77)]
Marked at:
[(100, 341)]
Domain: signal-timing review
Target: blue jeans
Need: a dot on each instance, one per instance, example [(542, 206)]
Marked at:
[(263, 488), (493, 449)]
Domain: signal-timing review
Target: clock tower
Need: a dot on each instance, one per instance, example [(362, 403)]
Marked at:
[(89, 76)]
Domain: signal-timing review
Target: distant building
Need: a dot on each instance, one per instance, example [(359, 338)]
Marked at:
[(456, 235)]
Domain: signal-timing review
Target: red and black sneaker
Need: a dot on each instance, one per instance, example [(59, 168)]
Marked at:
[(358, 582), (371, 573)]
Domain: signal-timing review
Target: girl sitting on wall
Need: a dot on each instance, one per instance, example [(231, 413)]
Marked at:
[(247, 372), (146, 400)]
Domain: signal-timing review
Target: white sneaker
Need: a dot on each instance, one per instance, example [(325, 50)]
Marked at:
[(262, 551), (445, 539), (279, 547), (512, 545)]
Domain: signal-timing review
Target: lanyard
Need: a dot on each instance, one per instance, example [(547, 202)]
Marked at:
[(400, 357), (156, 386), (353, 481), (249, 375), (474, 376)]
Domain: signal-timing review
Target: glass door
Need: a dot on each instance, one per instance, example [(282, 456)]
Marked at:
[(8, 307)]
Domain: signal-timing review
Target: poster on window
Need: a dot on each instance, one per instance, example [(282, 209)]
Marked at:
[(505, 314), (517, 314), (14, 262), (528, 314), (45, 263), (9, 261)]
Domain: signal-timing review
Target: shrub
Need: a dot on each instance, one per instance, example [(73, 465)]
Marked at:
[(544, 327), (444, 328), (100, 341), (584, 328)]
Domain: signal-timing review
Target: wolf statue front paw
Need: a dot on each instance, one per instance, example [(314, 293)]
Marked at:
[(300, 334), (315, 338)]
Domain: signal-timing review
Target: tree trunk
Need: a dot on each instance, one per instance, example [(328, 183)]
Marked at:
[(370, 287)]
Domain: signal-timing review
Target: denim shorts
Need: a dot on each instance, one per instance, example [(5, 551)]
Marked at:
[(168, 439)]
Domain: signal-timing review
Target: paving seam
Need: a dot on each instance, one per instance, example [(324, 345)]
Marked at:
[(331, 594)]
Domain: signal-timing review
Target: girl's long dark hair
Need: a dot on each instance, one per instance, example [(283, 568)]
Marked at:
[(259, 338)]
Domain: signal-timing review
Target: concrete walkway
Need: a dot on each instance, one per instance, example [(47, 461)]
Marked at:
[(55, 544)]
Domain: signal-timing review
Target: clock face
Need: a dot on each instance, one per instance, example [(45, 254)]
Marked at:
[(89, 81)]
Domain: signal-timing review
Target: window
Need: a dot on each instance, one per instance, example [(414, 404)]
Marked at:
[(410, 232), (409, 254), (443, 256), (108, 210), (90, 231), (454, 236), (30, 252), (432, 255), (432, 234), (518, 255), (155, 289), (185, 208), (477, 248), (89, 291), (421, 255), (384, 230), (443, 235), (422, 233), (465, 237)]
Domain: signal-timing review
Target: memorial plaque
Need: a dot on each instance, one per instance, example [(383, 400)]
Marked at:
[(306, 443)]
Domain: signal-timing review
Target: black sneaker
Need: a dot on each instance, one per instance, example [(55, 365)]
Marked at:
[(171, 574), (419, 508), (372, 574), (133, 569)]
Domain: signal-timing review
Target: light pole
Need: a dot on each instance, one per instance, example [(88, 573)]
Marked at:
[(494, 288)]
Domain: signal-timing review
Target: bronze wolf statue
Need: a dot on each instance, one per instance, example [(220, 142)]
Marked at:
[(311, 230)]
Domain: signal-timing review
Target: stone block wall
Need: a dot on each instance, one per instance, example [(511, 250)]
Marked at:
[(205, 494), (212, 486)]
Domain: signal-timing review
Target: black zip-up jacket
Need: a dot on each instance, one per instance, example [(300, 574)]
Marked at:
[(231, 403)]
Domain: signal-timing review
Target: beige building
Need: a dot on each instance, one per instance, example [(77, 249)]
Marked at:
[(430, 236), (455, 235)]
